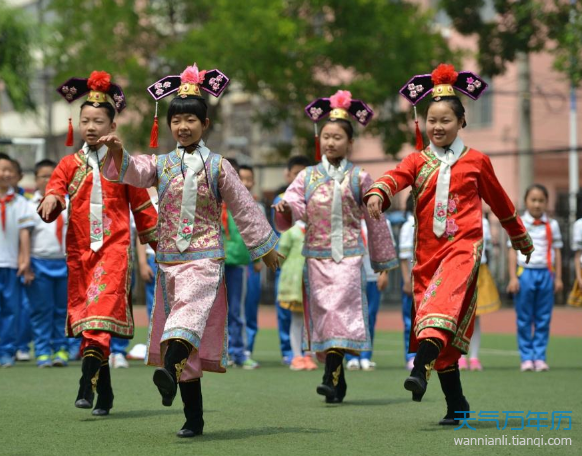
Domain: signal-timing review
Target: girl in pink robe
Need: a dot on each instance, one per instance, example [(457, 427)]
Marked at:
[(188, 325), (328, 197)]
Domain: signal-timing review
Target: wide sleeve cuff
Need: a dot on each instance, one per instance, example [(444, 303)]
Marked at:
[(381, 190), (265, 247), (60, 207), (523, 243), (149, 235), (110, 171), (384, 265)]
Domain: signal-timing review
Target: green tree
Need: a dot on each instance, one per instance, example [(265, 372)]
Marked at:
[(16, 45), (564, 24), (516, 27), (287, 51)]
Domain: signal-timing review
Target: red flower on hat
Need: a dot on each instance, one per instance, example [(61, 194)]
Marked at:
[(342, 99), (192, 75), (99, 81), (444, 74)]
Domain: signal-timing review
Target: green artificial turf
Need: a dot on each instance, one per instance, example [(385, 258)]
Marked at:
[(274, 411)]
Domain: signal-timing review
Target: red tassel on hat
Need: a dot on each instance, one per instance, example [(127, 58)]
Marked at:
[(69, 141), (154, 132), (419, 140), (317, 145)]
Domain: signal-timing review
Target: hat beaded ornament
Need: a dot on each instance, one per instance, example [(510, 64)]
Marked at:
[(99, 87), (442, 82), (186, 84), (338, 106)]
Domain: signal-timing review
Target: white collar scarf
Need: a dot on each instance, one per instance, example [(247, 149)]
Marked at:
[(94, 157), (337, 224), (448, 157), (194, 162)]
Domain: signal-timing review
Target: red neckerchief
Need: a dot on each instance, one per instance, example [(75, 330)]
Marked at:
[(538, 222), (59, 229), (3, 202)]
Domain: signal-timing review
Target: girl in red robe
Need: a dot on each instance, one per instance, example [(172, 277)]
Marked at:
[(98, 237), (448, 181)]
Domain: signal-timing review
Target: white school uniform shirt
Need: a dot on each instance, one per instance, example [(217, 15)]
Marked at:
[(537, 233), (19, 215), (406, 241), (44, 242), (486, 240), (577, 236), (154, 199), (371, 275)]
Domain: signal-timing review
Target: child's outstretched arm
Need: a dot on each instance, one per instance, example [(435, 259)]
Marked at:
[(54, 203), (379, 197), (494, 195), (292, 207), (383, 255), (121, 167)]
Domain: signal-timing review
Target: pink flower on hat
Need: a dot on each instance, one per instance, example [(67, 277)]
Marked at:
[(191, 75), (342, 99)]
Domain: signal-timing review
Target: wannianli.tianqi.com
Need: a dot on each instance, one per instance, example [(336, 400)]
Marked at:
[(516, 440)]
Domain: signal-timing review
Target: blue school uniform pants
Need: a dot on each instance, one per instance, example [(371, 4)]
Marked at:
[(24, 337), (252, 299), (407, 320), (150, 287), (47, 295), (119, 345), (283, 323), (10, 301), (533, 304), (235, 277), (373, 295)]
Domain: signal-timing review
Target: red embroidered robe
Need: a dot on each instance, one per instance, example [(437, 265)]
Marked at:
[(445, 269), (99, 282)]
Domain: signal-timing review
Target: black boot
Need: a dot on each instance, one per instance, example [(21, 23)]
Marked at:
[(92, 358), (417, 382), (166, 378), (331, 377), (104, 391), (191, 393), (340, 390), (450, 379)]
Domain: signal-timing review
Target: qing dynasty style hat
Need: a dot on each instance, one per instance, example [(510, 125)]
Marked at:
[(99, 87)]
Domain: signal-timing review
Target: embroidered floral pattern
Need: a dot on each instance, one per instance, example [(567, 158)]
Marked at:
[(431, 290), (96, 230), (315, 113), (451, 226), (96, 288), (106, 225)]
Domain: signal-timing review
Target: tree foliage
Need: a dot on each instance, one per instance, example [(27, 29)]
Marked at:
[(287, 51), (521, 26), (16, 45)]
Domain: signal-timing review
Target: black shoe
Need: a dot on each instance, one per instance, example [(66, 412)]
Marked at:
[(450, 379), (417, 382), (340, 390), (331, 376), (452, 418), (166, 378), (166, 385), (104, 392), (191, 393), (92, 358)]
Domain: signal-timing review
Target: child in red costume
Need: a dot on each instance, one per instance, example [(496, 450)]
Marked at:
[(448, 182), (98, 237)]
